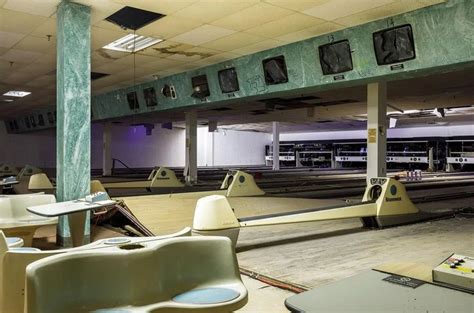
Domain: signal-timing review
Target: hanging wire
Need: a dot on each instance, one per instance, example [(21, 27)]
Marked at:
[(135, 100), (134, 54)]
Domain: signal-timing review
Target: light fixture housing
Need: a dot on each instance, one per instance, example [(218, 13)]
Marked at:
[(17, 93), (132, 43)]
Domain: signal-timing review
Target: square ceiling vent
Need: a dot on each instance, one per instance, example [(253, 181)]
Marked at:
[(133, 18)]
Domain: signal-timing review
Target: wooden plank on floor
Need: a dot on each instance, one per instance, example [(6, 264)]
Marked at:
[(325, 259), (164, 214)]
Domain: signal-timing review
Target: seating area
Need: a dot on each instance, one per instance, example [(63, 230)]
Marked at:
[(247, 156), (16, 221), (208, 280)]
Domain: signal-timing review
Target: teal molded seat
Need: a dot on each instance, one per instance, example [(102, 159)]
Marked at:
[(184, 274), (24, 250), (14, 242), (207, 296), (16, 221), (13, 263)]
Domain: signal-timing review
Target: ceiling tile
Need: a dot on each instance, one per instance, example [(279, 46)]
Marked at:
[(380, 12), (129, 73), (310, 32), (101, 9), (285, 25), (233, 41), (36, 44), (8, 40), (10, 21), (17, 78), (252, 16), (260, 46), (41, 81), (137, 59), (299, 5), (163, 64), (169, 26), (111, 54), (161, 6), (7, 67), (431, 2), (21, 56), (35, 7), (111, 68), (98, 59), (166, 48), (211, 10), (194, 54), (218, 58), (48, 27), (339, 8), (101, 37), (38, 68), (202, 34), (164, 73)]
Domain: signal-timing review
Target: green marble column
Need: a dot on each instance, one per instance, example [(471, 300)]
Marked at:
[(73, 113)]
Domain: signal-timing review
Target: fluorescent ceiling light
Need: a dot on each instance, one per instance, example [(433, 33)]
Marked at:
[(16, 93), (132, 43), (7, 100)]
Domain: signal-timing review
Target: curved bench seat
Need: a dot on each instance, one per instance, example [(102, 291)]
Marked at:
[(153, 276), (13, 263), (16, 221)]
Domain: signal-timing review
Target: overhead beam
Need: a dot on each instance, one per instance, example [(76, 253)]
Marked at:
[(443, 37)]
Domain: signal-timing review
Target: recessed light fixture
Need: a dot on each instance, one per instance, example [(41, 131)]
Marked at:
[(7, 100), (16, 93), (132, 43)]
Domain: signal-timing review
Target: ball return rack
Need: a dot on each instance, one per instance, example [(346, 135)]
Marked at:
[(385, 203)]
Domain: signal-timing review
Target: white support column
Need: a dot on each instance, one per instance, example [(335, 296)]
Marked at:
[(190, 170), (276, 146), (106, 150), (431, 167), (376, 130)]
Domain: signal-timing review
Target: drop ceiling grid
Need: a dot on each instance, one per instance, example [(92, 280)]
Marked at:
[(196, 32)]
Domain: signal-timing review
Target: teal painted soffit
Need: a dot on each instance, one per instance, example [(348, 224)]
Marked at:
[(444, 41)]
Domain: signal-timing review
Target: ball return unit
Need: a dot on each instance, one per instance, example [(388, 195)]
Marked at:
[(385, 203)]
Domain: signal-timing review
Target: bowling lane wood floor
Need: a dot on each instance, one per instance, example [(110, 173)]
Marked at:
[(316, 253)]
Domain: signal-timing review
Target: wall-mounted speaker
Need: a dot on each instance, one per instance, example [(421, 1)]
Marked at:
[(132, 100), (168, 91), (200, 87), (149, 95), (228, 80), (275, 70), (335, 57), (394, 45), (40, 120)]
